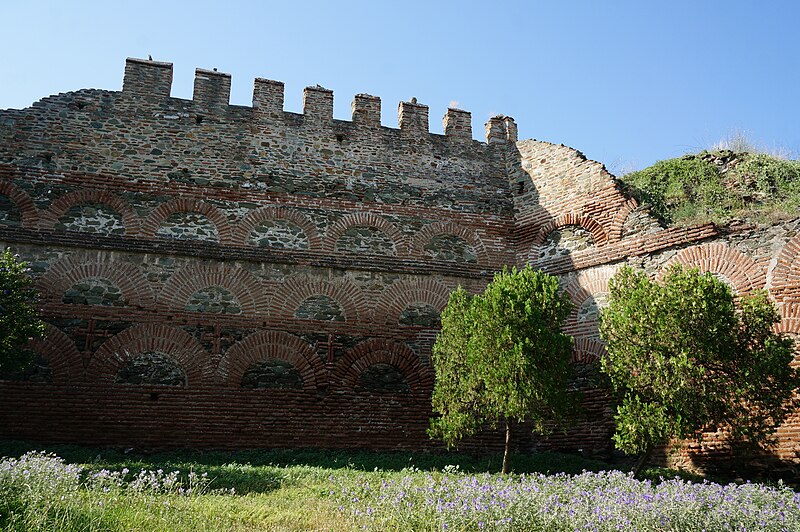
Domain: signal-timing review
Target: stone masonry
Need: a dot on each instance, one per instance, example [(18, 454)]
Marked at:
[(226, 276)]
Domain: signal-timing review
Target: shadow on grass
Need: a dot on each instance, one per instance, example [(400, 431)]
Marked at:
[(261, 471)]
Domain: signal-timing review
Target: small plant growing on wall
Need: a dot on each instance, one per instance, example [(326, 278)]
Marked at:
[(501, 358), (19, 318)]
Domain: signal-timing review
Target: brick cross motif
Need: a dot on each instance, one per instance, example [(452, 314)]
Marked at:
[(330, 346), (91, 333), (216, 339)]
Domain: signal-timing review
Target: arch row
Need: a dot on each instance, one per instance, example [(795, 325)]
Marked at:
[(201, 370), (446, 228), (153, 221), (253, 296), (744, 273), (237, 232)]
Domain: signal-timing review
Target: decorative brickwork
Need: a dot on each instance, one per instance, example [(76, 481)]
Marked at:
[(278, 227), (18, 208), (224, 276), (63, 211), (423, 245), (64, 362), (118, 352), (741, 272), (784, 283), (361, 358), (63, 275), (271, 345), (192, 279), (294, 291), (401, 295), (153, 225), (382, 230), (588, 291)]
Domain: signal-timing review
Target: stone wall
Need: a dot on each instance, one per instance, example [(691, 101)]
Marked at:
[(227, 276)]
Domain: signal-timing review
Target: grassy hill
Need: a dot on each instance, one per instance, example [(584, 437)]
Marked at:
[(718, 186)]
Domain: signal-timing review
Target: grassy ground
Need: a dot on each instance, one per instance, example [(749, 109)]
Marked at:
[(334, 490), (248, 490)]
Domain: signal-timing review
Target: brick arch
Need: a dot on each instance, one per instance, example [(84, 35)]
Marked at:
[(599, 234), (296, 289), (790, 319), (61, 205), (587, 350), (66, 272), (621, 216), (381, 351), (364, 219), (446, 228), (744, 274), (63, 357), (154, 220), (784, 278), (27, 210), (253, 218), (118, 350), (249, 291), (264, 345), (586, 284), (587, 222), (397, 297)]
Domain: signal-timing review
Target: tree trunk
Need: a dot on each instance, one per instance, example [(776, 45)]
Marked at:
[(645, 456), (507, 452)]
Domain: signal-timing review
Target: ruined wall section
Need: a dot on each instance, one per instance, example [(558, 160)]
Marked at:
[(566, 204)]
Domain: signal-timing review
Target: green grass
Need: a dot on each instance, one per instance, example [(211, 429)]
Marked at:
[(244, 490), (718, 186)]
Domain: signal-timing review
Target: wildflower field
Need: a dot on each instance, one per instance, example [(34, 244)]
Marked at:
[(314, 490)]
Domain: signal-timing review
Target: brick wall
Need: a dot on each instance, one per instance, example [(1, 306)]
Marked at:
[(228, 276)]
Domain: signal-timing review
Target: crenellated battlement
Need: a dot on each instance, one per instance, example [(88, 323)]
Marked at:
[(151, 80)]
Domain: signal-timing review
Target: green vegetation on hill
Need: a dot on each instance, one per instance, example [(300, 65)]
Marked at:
[(718, 186)]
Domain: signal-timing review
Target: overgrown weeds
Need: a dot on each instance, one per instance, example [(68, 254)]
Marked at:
[(718, 186)]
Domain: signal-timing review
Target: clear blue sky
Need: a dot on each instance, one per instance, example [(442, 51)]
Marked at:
[(626, 82)]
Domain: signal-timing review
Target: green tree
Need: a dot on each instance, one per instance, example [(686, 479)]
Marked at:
[(684, 358), (501, 358), (19, 319)]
